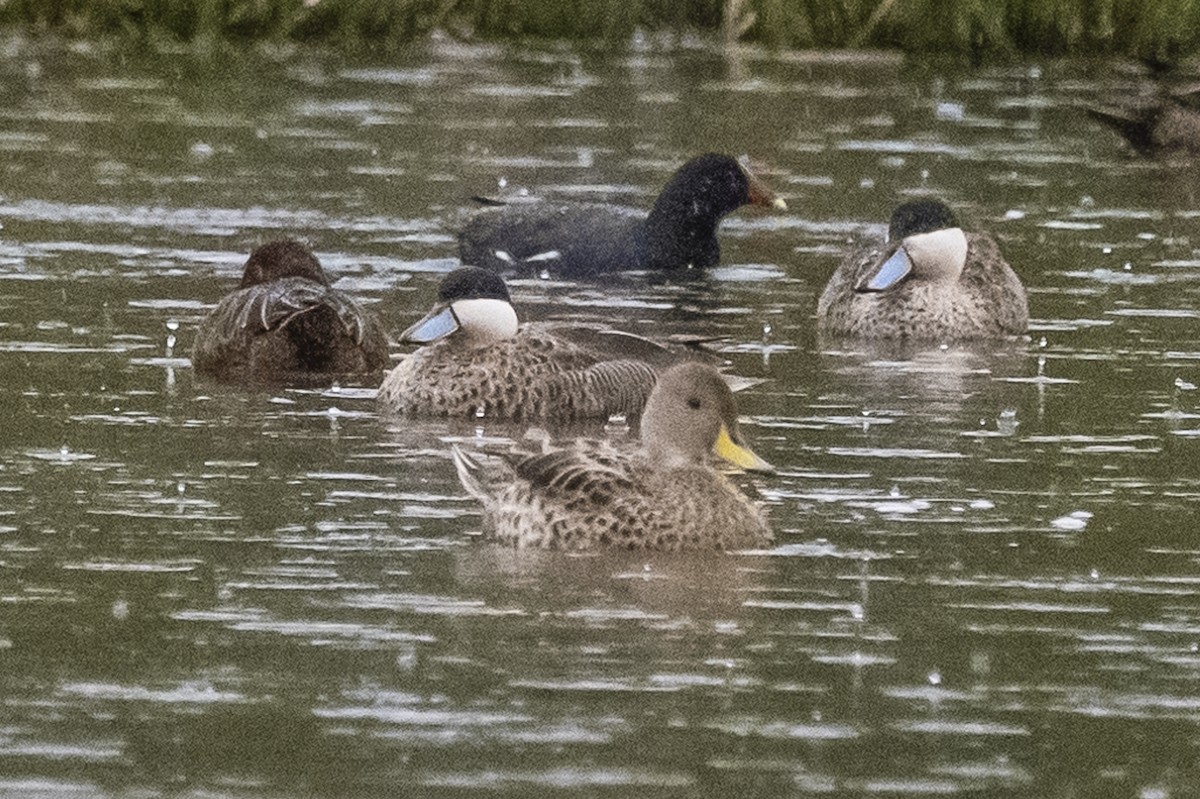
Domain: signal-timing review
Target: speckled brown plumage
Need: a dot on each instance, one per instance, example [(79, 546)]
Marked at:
[(535, 375), (988, 301), (590, 493)]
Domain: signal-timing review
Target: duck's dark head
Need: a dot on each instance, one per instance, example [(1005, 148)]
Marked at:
[(920, 216), (473, 303), (279, 259)]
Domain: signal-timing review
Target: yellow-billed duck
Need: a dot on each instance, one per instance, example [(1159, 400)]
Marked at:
[(664, 495)]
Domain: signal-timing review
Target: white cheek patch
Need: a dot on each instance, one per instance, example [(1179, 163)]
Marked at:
[(486, 319), (939, 255)]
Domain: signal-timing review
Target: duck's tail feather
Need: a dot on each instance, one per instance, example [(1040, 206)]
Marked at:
[(1134, 128), (470, 474)]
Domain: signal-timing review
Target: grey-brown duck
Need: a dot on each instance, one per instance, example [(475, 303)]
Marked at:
[(664, 495), (929, 281), (1163, 122), (476, 361)]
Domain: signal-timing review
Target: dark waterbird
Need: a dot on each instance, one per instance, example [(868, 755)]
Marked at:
[(929, 281), (1163, 122), (588, 239), (477, 361), (286, 324), (589, 493)]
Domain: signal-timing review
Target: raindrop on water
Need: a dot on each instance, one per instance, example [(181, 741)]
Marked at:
[(1007, 423)]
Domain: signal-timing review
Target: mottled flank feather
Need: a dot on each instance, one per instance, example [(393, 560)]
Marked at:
[(535, 375), (591, 493)]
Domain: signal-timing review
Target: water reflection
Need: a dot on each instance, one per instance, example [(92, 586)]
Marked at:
[(985, 574)]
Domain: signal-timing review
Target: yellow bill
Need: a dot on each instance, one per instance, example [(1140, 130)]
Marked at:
[(728, 449)]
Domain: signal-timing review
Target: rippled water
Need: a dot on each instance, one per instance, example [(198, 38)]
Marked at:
[(986, 575)]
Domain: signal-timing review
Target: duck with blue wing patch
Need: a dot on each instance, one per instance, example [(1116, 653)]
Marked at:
[(478, 362), (930, 281)]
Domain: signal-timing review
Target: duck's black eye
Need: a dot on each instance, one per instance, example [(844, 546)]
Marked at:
[(694, 403)]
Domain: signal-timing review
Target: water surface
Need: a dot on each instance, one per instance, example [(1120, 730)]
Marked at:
[(985, 580)]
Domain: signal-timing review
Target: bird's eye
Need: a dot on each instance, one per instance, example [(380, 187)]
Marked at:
[(694, 403)]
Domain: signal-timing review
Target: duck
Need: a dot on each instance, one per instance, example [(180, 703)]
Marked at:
[(662, 495), (475, 360), (1162, 123), (285, 324), (582, 240), (929, 281)]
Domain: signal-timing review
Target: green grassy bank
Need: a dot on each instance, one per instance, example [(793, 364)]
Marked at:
[(1163, 30)]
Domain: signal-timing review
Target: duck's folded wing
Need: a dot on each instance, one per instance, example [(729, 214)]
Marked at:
[(541, 234), (855, 268), (271, 306), (608, 344), (1187, 94), (588, 471), (604, 389)]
